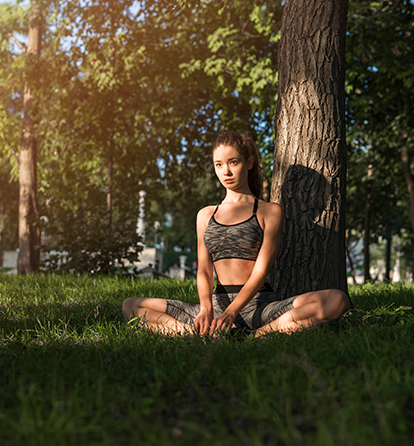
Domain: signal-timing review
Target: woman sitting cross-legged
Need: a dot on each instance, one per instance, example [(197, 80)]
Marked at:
[(241, 236)]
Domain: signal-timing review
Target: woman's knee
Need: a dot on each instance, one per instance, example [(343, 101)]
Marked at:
[(336, 304), (130, 306), (133, 306), (330, 304)]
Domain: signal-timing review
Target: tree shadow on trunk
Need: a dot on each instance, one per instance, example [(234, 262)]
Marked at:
[(308, 257)]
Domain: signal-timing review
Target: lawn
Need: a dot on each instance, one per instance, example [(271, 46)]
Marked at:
[(72, 372)]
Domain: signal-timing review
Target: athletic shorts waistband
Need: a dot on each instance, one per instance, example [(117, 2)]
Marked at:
[(228, 289)]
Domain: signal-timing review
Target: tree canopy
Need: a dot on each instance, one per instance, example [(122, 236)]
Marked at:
[(129, 96)]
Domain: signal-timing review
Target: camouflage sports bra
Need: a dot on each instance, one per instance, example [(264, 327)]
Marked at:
[(239, 241)]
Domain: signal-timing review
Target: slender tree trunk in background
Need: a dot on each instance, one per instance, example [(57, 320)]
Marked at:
[(367, 223), (309, 171), (109, 193), (111, 149), (29, 235), (388, 239), (266, 188), (348, 254), (2, 217), (406, 162)]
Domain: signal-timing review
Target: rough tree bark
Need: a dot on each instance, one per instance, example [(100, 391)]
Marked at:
[(310, 149), (29, 234)]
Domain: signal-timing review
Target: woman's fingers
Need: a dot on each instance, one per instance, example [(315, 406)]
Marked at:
[(202, 325), (219, 325), (213, 327)]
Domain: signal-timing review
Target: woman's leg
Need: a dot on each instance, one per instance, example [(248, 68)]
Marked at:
[(153, 314), (309, 310)]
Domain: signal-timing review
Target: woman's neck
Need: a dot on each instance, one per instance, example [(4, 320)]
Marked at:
[(238, 197)]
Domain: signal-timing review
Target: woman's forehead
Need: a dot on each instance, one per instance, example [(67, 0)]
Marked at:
[(225, 152)]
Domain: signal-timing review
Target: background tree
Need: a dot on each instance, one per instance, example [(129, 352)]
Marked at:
[(132, 98), (10, 130), (310, 149), (9, 197), (29, 231), (379, 110), (23, 79)]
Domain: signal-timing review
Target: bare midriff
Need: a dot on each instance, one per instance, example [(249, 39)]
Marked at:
[(233, 271)]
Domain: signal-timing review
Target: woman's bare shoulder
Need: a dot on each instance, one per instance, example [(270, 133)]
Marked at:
[(205, 214), (270, 213), (273, 210)]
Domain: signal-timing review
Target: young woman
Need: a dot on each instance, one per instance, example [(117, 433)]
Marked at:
[(241, 236)]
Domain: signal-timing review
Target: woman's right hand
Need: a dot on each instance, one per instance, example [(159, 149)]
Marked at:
[(203, 320)]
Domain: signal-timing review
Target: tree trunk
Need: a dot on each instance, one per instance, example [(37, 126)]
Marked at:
[(406, 162), (109, 190), (348, 254), (367, 223), (309, 171), (266, 187), (29, 234), (2, 217), (388, 239)]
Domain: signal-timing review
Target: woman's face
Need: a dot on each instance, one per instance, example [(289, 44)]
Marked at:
[(231, 167)]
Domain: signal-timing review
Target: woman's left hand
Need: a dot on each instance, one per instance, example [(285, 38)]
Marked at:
[(222, 323)]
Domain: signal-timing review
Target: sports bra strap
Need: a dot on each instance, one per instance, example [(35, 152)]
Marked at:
[(256, 204)]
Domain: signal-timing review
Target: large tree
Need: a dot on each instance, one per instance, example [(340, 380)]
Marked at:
[(310, 150)]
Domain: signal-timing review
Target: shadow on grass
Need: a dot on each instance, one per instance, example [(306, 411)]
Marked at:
[(75, 316), (132, 385)]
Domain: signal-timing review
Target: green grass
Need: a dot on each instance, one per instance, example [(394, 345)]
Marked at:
[(72, 372)]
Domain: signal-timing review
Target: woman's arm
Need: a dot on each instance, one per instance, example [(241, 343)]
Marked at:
[(272, 238), (205, 278)]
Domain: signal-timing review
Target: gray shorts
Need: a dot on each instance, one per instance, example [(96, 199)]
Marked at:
[(264, 308)]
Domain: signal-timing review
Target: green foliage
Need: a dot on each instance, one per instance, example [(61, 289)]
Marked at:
[(171, 258), (126, 94), (72, 371), (146, 90), (88, 247), (9, 198), (183, 199), (240, 60), (380, 67), (11, 79)]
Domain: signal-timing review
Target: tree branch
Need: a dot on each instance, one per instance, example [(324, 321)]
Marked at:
[(386, 9), (21, 45), (243, 30)]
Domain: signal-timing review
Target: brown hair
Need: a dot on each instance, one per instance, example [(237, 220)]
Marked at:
[(246, 147)]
